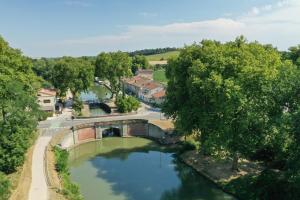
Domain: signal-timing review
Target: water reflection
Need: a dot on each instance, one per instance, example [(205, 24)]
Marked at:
[(135, 169), (96, 93)]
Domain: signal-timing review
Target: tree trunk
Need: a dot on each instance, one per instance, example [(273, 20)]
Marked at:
[(235, 162)]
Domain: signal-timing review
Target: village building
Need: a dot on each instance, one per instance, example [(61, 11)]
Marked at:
[(159, 97), (47, 99), (144, 89)]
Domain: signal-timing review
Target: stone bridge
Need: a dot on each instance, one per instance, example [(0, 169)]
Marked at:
[(124, 128)]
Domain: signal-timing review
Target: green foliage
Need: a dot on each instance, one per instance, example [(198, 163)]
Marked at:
[(70, 190), (293, 54), (153, 51), (74, 74), (163, 56), (18, 108), (243, 98), (139, 62), (127, 104), (226, 91), (61, 156), (77, 105), (269, 184), (4, 187), (44, 115), (113, 67)]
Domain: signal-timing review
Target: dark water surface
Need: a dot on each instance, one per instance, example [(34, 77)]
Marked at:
[(136, 169)]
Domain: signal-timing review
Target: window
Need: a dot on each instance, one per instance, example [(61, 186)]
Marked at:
[(47, 101)]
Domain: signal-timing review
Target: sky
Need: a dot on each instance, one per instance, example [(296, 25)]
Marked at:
[(51, 28)]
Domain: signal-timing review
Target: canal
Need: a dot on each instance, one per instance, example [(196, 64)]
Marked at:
[(97, 93), (136, 169)]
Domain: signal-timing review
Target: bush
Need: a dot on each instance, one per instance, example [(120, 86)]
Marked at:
[(127, 104), (4, 187), (43, 115), (77, 105), (70, 190), (61, 156)]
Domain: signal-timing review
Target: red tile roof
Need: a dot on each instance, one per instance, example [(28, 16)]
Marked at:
[(137, 81), (159, 94), (152, 85), (47, 92)]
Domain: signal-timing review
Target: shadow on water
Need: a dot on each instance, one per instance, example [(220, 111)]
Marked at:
[(146, 171)]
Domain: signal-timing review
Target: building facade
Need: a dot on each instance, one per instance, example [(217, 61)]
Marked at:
[(47, 100)]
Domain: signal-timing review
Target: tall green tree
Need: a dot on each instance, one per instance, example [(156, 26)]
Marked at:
[(139, 62), (225, 91), (18, 106), (113, 67), (293, 54), (74, 74)]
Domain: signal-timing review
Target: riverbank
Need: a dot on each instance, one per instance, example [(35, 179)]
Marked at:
[(219, 171), (21, 179), (53, 179)]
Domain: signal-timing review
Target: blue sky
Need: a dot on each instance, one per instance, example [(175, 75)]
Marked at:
[(87, 27)]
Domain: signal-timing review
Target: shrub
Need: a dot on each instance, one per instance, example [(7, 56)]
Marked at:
[(127, 104), (4, 187), (61, 156), (70, 190)]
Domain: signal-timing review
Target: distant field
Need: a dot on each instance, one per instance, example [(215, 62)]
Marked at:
[(165, 56), (160, 76)]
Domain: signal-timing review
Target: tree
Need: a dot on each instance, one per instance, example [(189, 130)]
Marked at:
[(127, 104), (139, 62), (225, 91), (293, 54), (74, 74), (113, 67), (18, 106), (4, 187)]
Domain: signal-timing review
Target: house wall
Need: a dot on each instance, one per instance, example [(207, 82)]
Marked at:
[(47, 102)]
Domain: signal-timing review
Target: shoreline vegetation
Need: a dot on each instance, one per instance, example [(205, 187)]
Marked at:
[(61, 187)]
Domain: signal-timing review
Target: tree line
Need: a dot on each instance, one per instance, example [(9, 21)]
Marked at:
[(146, 52), (78, 74), (19, 111), (241, 99)]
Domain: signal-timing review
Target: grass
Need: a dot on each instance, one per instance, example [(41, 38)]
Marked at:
[(160, 76), (162, 56), (70, 190)]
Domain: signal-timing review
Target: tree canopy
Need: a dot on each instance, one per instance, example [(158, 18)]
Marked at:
[(74, 74), (113, 67), (18, 106)]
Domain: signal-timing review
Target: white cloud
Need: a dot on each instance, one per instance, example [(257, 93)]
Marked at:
[(278, 24)]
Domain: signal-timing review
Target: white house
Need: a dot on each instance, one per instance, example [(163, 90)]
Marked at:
[(47, 99)]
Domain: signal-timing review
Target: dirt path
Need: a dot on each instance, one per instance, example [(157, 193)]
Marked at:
[(39, 188)]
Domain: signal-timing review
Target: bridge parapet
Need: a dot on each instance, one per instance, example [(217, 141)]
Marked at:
[(127, 128)]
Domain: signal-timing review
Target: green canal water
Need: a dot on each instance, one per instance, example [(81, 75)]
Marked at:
[(136, 169), (96, 93)]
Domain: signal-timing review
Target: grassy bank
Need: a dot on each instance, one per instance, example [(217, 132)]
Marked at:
[(163, 56), (69, 189), (160, 76)]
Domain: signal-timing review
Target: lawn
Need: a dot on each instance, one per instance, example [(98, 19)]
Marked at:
[(164, 56), (160, 76)]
